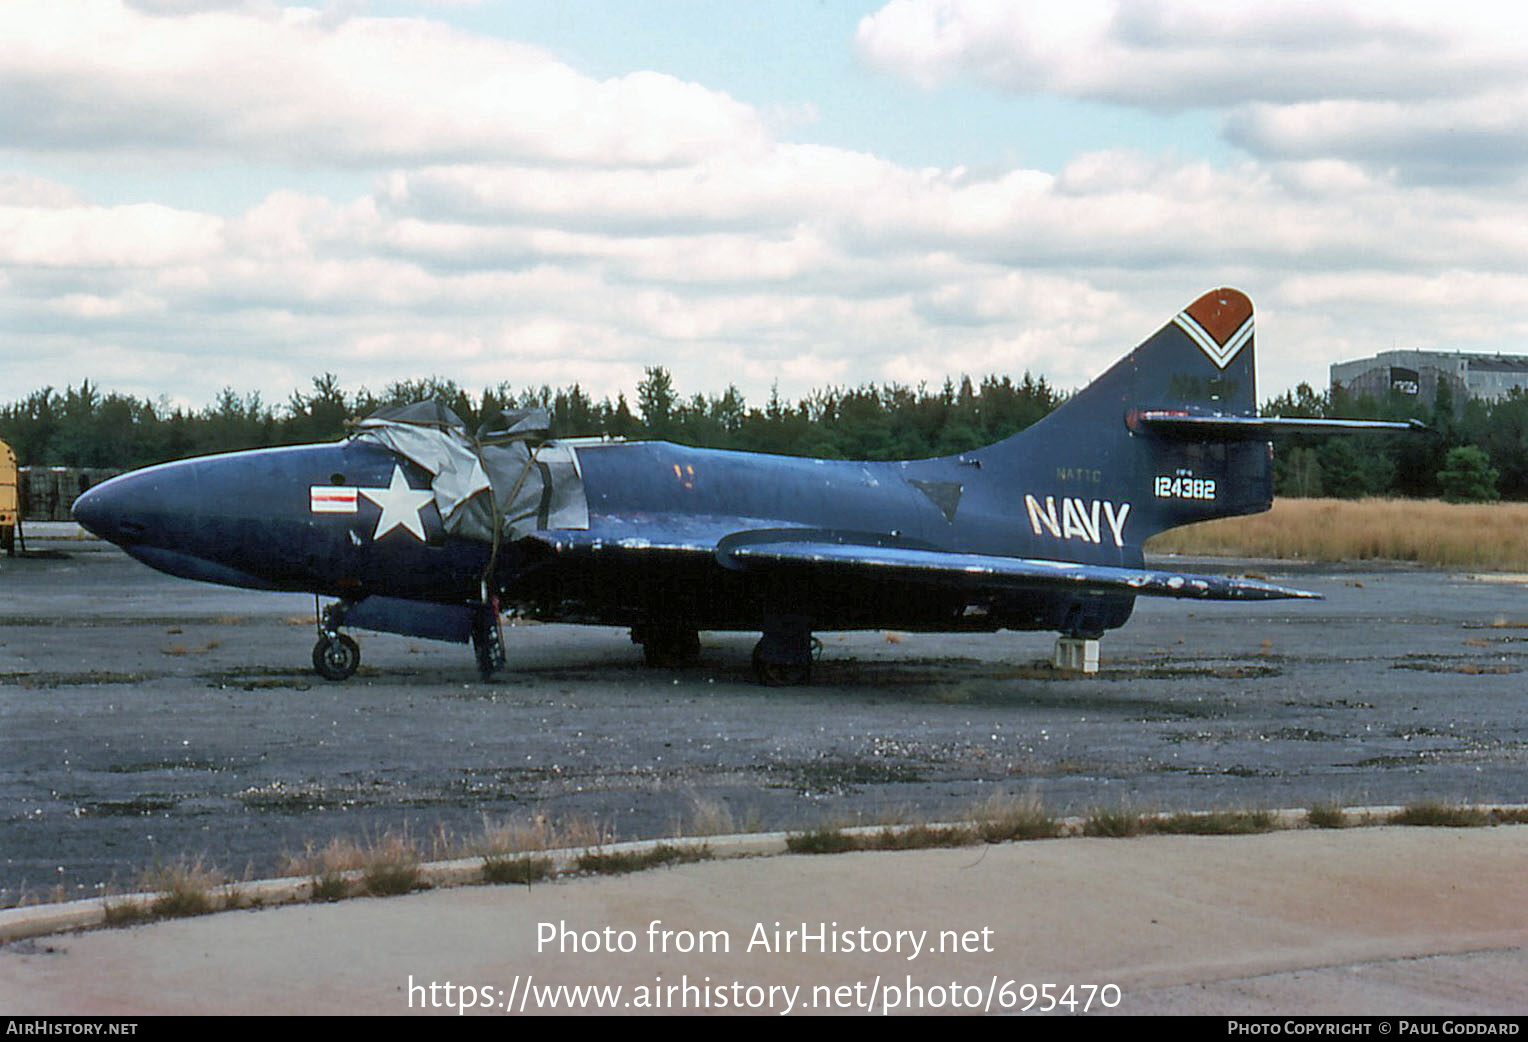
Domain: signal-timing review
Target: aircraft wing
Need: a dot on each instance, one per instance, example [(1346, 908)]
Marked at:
[(809, 549)]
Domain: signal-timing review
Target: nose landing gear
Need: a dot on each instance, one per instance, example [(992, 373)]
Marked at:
[(336, 656)]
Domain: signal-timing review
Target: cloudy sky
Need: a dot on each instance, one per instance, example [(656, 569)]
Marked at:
[(205, 193)]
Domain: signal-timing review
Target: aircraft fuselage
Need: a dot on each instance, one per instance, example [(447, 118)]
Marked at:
[(281, 519)]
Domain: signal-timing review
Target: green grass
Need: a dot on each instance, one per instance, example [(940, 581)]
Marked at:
[(1002, 818), (523, 869), (390, 870), (829, 840), (1431, 813), (125, 913), (824, 840), (328, 887), (182, 901), (1325, 816), (622, 861), (181, 888), (344, 868), (921, 837), (1112, 823), (184, 888), (998, 819), (1214, 823)]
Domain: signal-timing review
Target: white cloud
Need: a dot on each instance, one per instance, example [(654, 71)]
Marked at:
[(534, 225), (1438, 91), (187, 7), (861, 271), (78, 236), (291, 85), (19, 189), (1484, 136), (1201, 53)]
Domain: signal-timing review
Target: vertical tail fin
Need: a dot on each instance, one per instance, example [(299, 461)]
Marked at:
[(1203, 360), (1201, 363)]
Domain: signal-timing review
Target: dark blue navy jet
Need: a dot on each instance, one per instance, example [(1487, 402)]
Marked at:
[(413, 525)]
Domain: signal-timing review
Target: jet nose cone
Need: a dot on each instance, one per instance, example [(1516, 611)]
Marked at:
[(90, 511), (106, 511)]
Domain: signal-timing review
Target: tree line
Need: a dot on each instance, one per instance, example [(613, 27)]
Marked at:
[(1477, 450), (84, 427)]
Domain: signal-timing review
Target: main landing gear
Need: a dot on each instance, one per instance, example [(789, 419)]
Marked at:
[(336, 656), (783, 656), (488, 639), (667, 647)]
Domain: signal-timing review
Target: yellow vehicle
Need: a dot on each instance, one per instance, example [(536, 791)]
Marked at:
[(10, 507)]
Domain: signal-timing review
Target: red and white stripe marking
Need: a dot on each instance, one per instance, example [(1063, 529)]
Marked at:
[(332, 499)]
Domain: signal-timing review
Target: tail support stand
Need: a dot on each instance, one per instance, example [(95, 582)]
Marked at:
[(1076, 654)]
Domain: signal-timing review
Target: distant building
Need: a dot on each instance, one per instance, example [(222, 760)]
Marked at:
[(1487, 377)]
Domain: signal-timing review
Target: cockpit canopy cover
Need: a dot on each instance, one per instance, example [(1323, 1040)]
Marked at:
[(507, 477)]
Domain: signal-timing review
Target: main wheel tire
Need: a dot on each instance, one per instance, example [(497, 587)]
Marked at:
[(336, 658), (488, 643), (784, 676), (670, 649), (780, 674), (489, 660)]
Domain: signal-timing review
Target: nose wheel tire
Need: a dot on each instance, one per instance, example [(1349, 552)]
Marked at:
[(336, 658)]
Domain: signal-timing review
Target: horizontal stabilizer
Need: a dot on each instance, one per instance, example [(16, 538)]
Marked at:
[(1260, 428), (779, 549)]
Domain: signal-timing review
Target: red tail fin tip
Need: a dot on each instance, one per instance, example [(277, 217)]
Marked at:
[(1220, 322)]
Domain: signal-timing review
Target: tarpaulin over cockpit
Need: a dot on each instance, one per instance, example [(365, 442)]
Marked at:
[(506, 477)]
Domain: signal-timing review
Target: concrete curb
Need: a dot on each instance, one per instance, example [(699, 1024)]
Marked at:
[(126, 909), (38, 920)]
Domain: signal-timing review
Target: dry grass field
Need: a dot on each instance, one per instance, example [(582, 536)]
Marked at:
[(1460, 535)]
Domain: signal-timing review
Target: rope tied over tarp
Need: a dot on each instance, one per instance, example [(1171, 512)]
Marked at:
[(503, 482)]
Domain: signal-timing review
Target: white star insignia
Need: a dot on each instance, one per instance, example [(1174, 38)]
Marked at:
[(400, 505)]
